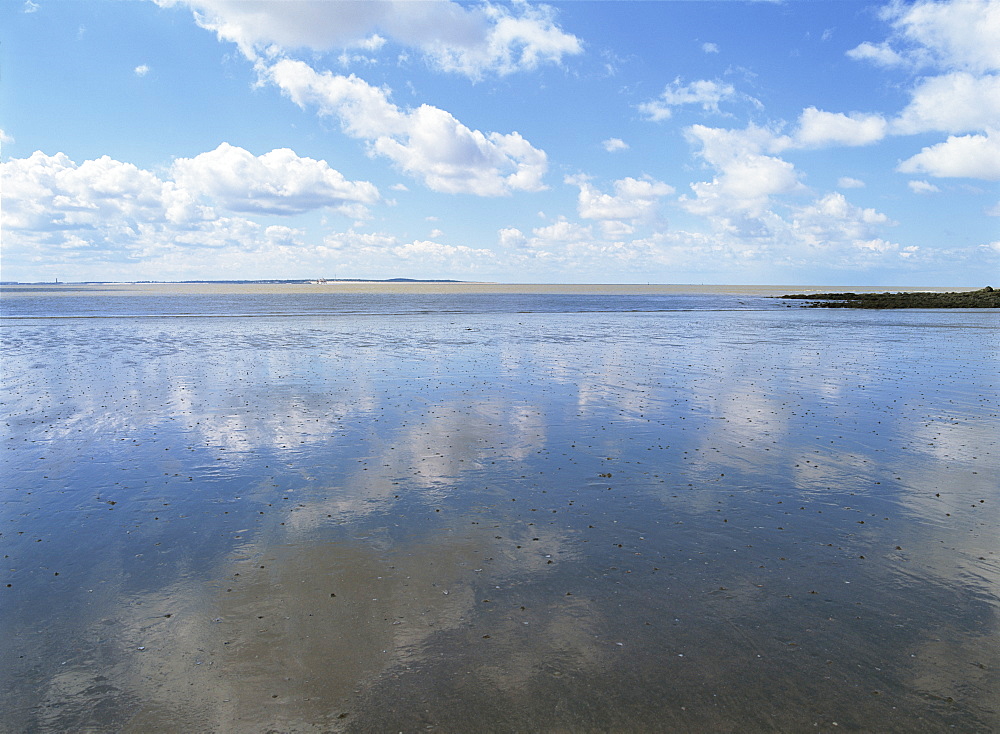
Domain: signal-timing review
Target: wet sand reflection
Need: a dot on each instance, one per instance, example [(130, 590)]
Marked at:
[(463, 522)]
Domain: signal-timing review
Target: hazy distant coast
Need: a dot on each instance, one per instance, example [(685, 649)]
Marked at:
[(402, 285)]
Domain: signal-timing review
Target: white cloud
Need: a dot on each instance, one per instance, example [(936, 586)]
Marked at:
[(880, 54), (467, 40), (613, 145), (961, 34), (512, 43), (834, 211), (278, 182), (704, 92), (834, 231), (818, 128), (746, 178), (710, 48), (743, 187), (428, 251), (955, 103), (633, 198), (615, 229), (105, 218), (511, 237), (754, 219), (833, 223), (5, 138), (373, 43), (560, 232), (119, 217), (955, 35), (373, 252), (846, 182), (720, 145), (53, 194), (923, 187), (968, 156), (366, 242), (278, 234), (141, 70), (427, 142), (958, 39), (30, 6)]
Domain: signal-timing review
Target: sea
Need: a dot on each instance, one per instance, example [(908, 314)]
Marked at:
[(370, 507)]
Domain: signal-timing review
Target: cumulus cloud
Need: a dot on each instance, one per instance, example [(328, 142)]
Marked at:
[(833, 215), (710, 48), (720, 145), (832, 230), (961, 34), (747, 178), (53, 194), (108, 219), (967, 156), (117, 212), (430, 251), (513, 42), (743, 187), (704, 92), (278, 182), (383, 252), (468, 40), (511, 237), (141, 70), (881, 54), (958, 40), (427, 142), (560, 233), (632, 199), (923, 187), (818, 128), (753, 203), (955, 34), (955, 103), (612, 145), (846, 182)]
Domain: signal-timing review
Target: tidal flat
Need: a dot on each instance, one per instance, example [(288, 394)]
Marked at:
[(507, 509)]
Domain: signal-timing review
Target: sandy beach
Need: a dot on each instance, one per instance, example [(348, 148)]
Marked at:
[(583, 508)]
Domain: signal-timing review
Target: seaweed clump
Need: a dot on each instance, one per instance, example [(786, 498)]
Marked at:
[(984, 298)]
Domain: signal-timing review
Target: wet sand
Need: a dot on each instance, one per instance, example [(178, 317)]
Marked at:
[(756, 520)]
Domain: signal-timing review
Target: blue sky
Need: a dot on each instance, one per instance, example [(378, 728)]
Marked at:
[(840, 143)]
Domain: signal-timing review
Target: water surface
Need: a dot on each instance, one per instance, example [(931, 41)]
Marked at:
[(550, 510)]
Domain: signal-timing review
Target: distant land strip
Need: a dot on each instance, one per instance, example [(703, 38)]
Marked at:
[(983, 298), (272, 281)]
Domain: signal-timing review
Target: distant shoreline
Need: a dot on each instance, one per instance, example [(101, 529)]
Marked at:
[(269, 281), (810, 291), (401, 287)]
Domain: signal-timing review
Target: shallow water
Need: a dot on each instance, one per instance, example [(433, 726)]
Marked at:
[(548, 511)]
